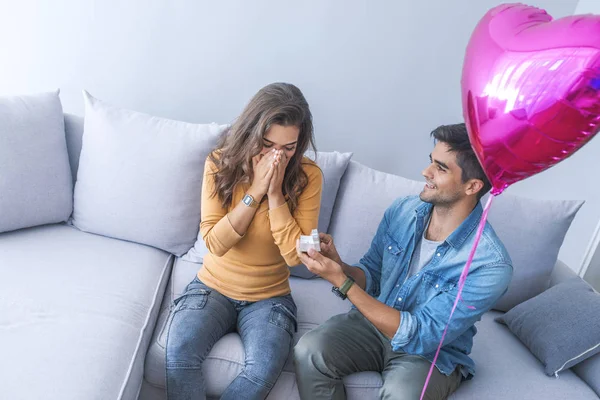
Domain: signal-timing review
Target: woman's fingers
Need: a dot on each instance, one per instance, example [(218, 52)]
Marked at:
[(274, 158), (270, 173)]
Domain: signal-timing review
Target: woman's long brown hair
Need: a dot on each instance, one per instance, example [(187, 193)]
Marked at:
[(278, 103)]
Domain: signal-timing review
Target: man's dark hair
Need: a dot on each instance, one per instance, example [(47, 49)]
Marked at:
[(457, 138)]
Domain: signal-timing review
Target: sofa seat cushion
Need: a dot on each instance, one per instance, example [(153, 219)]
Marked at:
[(77, 312), (501, 360)]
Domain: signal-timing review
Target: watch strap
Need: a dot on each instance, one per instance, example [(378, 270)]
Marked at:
[(342, 291), (346, 285)]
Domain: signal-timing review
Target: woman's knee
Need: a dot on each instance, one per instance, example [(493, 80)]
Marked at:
[(180, 346)]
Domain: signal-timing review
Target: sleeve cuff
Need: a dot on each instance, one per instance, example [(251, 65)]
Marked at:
[(405, 332), (368, 279), (280, 217), (227, 236)]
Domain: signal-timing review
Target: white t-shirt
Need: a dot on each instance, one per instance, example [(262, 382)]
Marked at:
[(423, 253)]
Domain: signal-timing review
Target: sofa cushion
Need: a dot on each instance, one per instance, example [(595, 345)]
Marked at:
[(77, 312), (197, 252), (531, 230), (334, 165), (549, 323), (140, 177), (363, 197), (35, 180)]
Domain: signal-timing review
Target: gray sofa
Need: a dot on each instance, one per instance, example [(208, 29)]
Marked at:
[(82, 316)]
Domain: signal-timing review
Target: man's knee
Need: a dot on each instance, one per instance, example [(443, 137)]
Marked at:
[(310, 343), (410, 386), (309, 352), (393, 389)]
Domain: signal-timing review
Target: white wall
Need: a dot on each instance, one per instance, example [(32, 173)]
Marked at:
[(379, 75), (587, 7)]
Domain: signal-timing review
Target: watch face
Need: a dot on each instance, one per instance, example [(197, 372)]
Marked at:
[(247, 200)]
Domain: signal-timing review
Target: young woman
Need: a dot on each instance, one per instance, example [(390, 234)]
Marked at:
[(259, 195)]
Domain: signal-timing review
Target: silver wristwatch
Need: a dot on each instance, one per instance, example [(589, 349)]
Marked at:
[(249, 201)]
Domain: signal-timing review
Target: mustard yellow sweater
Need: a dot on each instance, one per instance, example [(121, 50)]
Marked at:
[(254, 267)]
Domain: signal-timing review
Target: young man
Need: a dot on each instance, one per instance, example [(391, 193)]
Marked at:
[(404, 287)]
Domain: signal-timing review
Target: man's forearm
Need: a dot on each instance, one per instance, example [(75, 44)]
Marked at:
[(356, 273), (386, 319)]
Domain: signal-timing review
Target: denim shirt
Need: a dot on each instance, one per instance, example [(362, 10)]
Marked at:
[(426, 299)]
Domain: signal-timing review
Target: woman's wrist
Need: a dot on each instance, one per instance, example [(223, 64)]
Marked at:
[(276, 199), (256, 194)]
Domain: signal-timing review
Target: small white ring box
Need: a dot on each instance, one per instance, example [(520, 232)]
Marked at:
[(310, 242)]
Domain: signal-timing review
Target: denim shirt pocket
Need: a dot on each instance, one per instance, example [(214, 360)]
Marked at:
[(391, 246), (392, 256), (432, 285)]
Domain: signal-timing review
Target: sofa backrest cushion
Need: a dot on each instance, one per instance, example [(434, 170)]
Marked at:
[(363, 197), (532, 230), (140, 177), (36, 187), (333, 165)]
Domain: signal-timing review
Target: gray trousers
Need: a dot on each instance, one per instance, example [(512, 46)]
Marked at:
[(349, 343)]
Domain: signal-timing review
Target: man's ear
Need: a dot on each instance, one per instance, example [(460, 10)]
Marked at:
[(473, 186)]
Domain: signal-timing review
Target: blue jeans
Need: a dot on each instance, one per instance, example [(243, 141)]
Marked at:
[(202, 315)]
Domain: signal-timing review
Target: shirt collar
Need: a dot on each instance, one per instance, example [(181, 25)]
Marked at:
[(464, 230)]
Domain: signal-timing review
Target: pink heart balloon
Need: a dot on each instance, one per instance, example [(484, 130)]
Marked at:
[(530, 90)]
